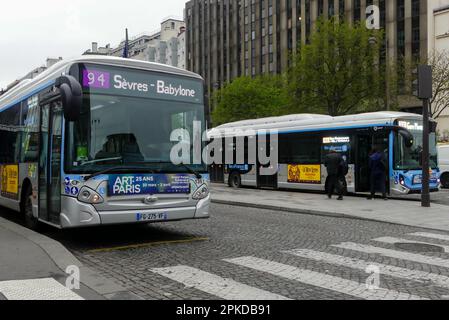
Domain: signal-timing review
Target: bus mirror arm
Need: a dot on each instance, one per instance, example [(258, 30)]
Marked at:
[(71, 96)]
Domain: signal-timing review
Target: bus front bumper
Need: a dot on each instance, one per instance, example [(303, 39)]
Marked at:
[(75, 214)]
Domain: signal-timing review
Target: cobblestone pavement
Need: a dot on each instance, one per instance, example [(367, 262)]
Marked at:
[(440, 197), (244, 253)]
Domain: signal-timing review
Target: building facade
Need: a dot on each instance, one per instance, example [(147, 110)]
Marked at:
[(229, 38), (162, 46), (438, 27)]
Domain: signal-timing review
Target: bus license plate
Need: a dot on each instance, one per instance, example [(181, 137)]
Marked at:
[(417, 179), (152, 216)]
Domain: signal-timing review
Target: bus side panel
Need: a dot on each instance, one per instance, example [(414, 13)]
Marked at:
[(250, 179)]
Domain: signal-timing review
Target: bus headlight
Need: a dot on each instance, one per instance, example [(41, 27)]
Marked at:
[(401, 180), (87, 195), (201, 193)]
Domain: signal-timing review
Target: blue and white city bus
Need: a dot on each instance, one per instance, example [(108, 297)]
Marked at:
[(87, 143), (305, 139)]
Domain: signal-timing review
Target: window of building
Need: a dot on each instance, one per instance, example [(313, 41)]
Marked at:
[(299, 22), (308, 20), (383, 13), (331, 8), (400, 28), (357, 10), (320, 7), (416, 29), (341, 8)]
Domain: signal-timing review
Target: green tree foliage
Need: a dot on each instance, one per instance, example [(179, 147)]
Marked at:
[(339, 72), (250, 98)]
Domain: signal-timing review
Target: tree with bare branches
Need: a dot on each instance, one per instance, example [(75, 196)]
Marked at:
[(439, 60)]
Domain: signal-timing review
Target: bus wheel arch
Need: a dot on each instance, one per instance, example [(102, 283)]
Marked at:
[(445, 180), (235, 179)]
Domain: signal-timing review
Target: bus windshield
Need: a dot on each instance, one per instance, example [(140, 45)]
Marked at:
[(116, 131), (409, 158)]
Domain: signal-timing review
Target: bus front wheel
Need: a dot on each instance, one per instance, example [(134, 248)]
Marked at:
[(235, 180), (445, 180), (31, 222)]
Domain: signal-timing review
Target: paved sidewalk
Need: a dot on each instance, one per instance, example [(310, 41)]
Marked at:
[(402, 212), (32, 267)]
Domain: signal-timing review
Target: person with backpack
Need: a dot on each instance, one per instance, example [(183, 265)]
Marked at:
[(333, 161), (378, 168)]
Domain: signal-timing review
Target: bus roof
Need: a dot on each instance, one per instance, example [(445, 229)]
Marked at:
[(29, 87), (314, 122)]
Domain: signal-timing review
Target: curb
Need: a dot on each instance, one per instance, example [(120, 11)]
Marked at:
[(63, 258), (315, 213)]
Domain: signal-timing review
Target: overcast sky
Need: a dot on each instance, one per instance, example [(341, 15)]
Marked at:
[(32, 30)]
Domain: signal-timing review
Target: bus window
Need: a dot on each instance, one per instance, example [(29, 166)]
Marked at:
[(297, 148)]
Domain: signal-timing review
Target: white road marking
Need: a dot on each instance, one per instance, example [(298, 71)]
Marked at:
[(227, 289), (392, 240), (37, 289), (321, 280), (430, 235), (415, 275), (394, 254)]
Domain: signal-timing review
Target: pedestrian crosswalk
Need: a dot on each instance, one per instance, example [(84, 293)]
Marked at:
[(221, 287), (321, 280), (231, 289), (36, 289)]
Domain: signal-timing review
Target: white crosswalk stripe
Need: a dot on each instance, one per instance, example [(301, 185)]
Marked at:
[(430, 235), (230, 289), (321, 280), (393, 240), (221, 287), (36, 289), (394, 254), (415, 275)]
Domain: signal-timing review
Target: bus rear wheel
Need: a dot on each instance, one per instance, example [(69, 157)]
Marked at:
[(31, 222), (445, 180), (235, 180)]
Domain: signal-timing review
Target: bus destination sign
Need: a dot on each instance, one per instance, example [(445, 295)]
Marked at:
[(142, 84)]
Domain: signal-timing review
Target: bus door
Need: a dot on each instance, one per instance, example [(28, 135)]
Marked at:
[(217, 171), (50, 162), (362, 174), (365, 143), (264, 181)]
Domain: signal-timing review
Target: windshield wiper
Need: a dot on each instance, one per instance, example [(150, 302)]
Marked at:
[(101, 160), (99, 173), (196, 173)]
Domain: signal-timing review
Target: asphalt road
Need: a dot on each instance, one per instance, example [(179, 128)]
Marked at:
[(245, 253)]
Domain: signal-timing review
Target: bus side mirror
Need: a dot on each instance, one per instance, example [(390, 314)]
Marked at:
[(71, 96), (408, 137)]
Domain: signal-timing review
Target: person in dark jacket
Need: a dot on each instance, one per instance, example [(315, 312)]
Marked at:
[(333, 163), (378, 167)]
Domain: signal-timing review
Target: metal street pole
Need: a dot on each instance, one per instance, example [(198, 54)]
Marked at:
[(424, 93), (425, 197)]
